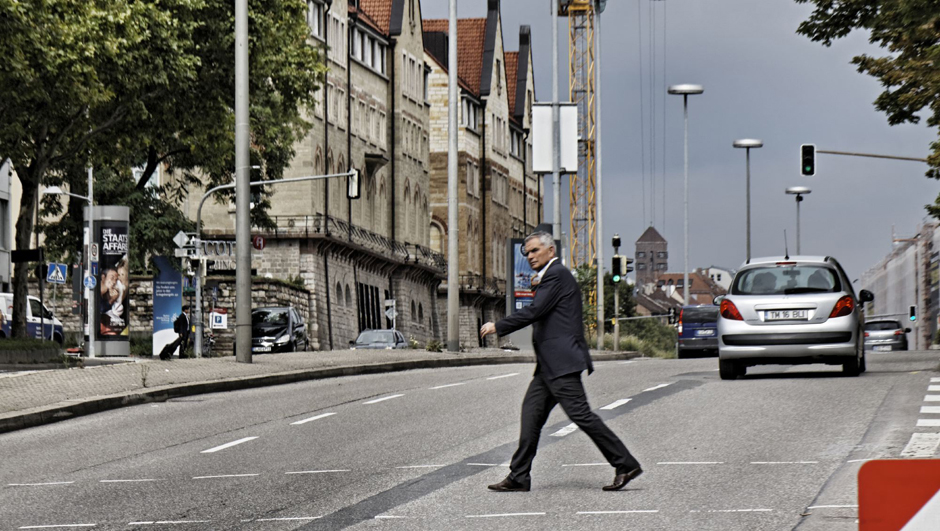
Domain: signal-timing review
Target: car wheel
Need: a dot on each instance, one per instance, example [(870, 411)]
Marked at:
[(861, 365), (851, 366), (727, 369), (58, 339), (681, 354)]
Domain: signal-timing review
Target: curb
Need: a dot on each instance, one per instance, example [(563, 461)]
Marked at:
[(47, 415)]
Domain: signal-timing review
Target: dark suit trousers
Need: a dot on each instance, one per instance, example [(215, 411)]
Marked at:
[(568, 391)]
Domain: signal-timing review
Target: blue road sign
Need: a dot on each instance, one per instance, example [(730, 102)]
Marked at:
[(94, 268), (56, 274), (90, 282)]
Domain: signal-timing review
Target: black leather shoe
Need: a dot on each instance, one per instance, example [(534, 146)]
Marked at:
[(508, 485), (621, 480)]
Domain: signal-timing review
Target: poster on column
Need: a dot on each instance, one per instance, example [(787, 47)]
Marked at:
[(167, 303), (111, 292)]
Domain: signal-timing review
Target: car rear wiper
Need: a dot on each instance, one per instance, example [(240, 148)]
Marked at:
[(791, 291)]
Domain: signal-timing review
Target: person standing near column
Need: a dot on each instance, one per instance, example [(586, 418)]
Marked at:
[(561, 355)]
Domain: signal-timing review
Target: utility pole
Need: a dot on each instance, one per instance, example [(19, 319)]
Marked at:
[(556, 132), (453, 260), (597, 193), (242, 189)]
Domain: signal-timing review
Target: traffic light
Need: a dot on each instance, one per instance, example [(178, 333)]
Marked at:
[(354, 189), (672, 316), (616, 240), (913, 312), (616, 269), (627, 265), (808, 159)]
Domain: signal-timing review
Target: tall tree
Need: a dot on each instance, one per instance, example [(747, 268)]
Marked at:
[(123, 83), (910, 31)]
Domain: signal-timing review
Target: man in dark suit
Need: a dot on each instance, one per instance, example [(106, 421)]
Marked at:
[(561, 354), (181, 327)]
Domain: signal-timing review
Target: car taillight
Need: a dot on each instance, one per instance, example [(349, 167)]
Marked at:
[(899, 332), (844, 306), (866, 334), (679, 327), (730, 311)]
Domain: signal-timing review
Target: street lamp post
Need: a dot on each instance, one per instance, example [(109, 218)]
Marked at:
[(799, 192), (89, 238), (685, 91), (747, 144)]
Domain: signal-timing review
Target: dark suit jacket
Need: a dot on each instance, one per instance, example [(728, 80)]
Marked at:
[(558, 332), (181, 326)]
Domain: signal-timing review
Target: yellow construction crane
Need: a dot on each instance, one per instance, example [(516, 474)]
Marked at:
[(582, 186)]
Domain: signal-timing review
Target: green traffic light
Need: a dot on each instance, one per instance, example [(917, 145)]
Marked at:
[(616, 278)]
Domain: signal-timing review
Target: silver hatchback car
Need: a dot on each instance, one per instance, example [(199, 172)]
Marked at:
[(790, 310)]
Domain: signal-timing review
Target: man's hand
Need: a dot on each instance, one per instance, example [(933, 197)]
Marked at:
[(487, 329)]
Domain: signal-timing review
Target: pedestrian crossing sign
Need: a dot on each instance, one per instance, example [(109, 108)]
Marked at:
[(56, 274)]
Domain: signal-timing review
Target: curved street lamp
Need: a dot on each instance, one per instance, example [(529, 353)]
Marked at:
[(747, 144), (799, 192)]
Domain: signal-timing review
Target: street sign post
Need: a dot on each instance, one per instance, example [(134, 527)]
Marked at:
[(56, 274)]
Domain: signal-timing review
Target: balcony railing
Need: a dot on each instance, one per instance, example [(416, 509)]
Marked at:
[(490, 285), (319, 224)]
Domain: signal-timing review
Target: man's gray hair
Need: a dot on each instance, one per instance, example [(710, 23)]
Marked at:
[(544, 238)]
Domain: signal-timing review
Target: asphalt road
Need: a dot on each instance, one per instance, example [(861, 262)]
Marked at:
[(777, 450)]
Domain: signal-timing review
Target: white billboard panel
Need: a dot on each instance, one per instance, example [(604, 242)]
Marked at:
[(542, 137)]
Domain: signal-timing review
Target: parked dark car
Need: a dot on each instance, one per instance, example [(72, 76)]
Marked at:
[(885, 335), (697, 330), (277, 329), (379, 339)]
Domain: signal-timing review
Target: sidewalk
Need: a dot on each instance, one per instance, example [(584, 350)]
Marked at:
[(33, 398)]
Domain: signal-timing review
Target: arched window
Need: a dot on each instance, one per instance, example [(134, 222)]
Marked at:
[(414, 315), (338, 294), (420, 312), (348, 298), (437, 237)]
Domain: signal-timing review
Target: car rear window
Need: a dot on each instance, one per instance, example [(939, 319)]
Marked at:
[(786, 280), (376, 336), (270, 317), (700, 315), (882, 325)]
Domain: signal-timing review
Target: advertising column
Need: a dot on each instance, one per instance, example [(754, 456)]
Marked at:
[(111, 308), (167, 306)]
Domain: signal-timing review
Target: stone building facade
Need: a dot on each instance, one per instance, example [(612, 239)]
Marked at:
[(498, 194), (652, 257)]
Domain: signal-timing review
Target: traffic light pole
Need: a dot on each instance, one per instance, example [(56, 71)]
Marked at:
[(617, 309)]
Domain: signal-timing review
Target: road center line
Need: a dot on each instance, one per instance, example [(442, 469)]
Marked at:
[(655, 387), (448, 385), (833, 507), (420, 466), (39, 484), (170, 522), (570, 428), (286, 519), (127, 480), (638, 511), (503, 514), (53, 526), (227, 445), (318, 417), (588, 464), (227, 476), (784, 462), (618, 403), (734, 511), (690, 463), (503, 376), (316, 471), (383, 399)]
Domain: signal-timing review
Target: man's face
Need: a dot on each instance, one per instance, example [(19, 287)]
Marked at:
[(537, 254), (108, 280)]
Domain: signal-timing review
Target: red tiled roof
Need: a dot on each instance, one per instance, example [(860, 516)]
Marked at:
[(512, 72), (380, 13), (471, 38), (460, 82)]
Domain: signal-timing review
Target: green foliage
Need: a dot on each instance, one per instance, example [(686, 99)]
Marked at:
[(27, 344), (587, 282), (296, 281), (141, 345), (910, 33), (434, 346)]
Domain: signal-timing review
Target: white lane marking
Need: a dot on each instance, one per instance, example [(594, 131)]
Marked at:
[(316, 471), (638, 511), (311, 419), (859, 460), (655, 387), (170, 522), (928, 423), (932, 398), (285, 519), (227, 476), (691, 463), (618, 403), (503, 376), (935, 379), (588, 464), (784, 462), (921, 445), (933, 388), (383, 399), (390, 517), (502, 514), (626, 362), (421, 466), (930, 409), (227, 445), (482, 464), (734, 511), (127, 480), (39, 484), (565, 431), (53, 526), (446, 385), (833, 507)]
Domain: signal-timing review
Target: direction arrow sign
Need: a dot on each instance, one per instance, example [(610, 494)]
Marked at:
[(899, 494), (56, 274)]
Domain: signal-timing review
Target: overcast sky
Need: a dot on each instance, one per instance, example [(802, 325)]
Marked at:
[(762, 80)]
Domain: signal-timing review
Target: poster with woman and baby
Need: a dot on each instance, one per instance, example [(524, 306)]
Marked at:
[(113, 284)]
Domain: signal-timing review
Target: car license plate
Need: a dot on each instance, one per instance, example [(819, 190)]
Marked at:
[(785, 315), (261, 349), (883, 348), (706, 332)]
